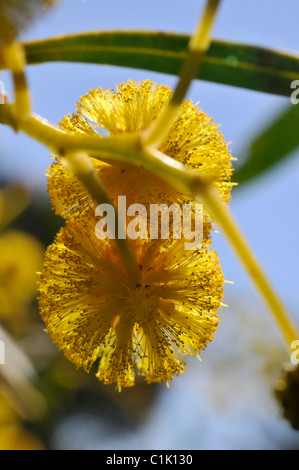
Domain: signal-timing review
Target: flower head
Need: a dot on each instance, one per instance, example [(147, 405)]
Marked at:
[(193, 140), (93, 312), (92, 309)]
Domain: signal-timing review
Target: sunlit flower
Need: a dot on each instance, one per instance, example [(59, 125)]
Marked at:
[(94, 313), (89, 305), (193, 140)]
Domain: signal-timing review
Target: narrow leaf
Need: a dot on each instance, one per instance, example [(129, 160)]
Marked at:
[(272, 146), (229, 63)]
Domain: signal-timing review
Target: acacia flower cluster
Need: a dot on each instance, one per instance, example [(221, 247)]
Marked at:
[(92, 309)]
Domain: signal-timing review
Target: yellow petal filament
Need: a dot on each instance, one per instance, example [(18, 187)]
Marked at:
[(81, 166), (92, 311)]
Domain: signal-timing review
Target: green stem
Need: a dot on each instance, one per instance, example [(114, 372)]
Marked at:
[(116, 149), (60, 141), (198, 45), (216, 208), (14, 58)]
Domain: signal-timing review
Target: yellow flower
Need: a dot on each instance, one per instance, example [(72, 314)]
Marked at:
[(93, 312), (89, 305), (193, 140), (21, 256)]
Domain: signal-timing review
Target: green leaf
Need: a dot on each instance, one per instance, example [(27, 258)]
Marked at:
[(233, 64), (272, 146)]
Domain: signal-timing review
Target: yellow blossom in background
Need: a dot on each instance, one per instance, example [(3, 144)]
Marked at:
[(93, 312), (193, 140), (15, 15), (14, 199), (13, 435), (21, 257), (16, 437)]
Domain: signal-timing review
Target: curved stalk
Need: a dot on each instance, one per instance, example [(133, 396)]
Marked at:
[(230, 228), (61, 141), (14, 58), (198, 45)]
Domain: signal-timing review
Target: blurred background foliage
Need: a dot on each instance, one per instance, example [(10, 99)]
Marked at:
[(226, 401)]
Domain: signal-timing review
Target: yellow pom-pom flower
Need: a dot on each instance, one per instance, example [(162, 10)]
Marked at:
[(94, 313), (193, 140)]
